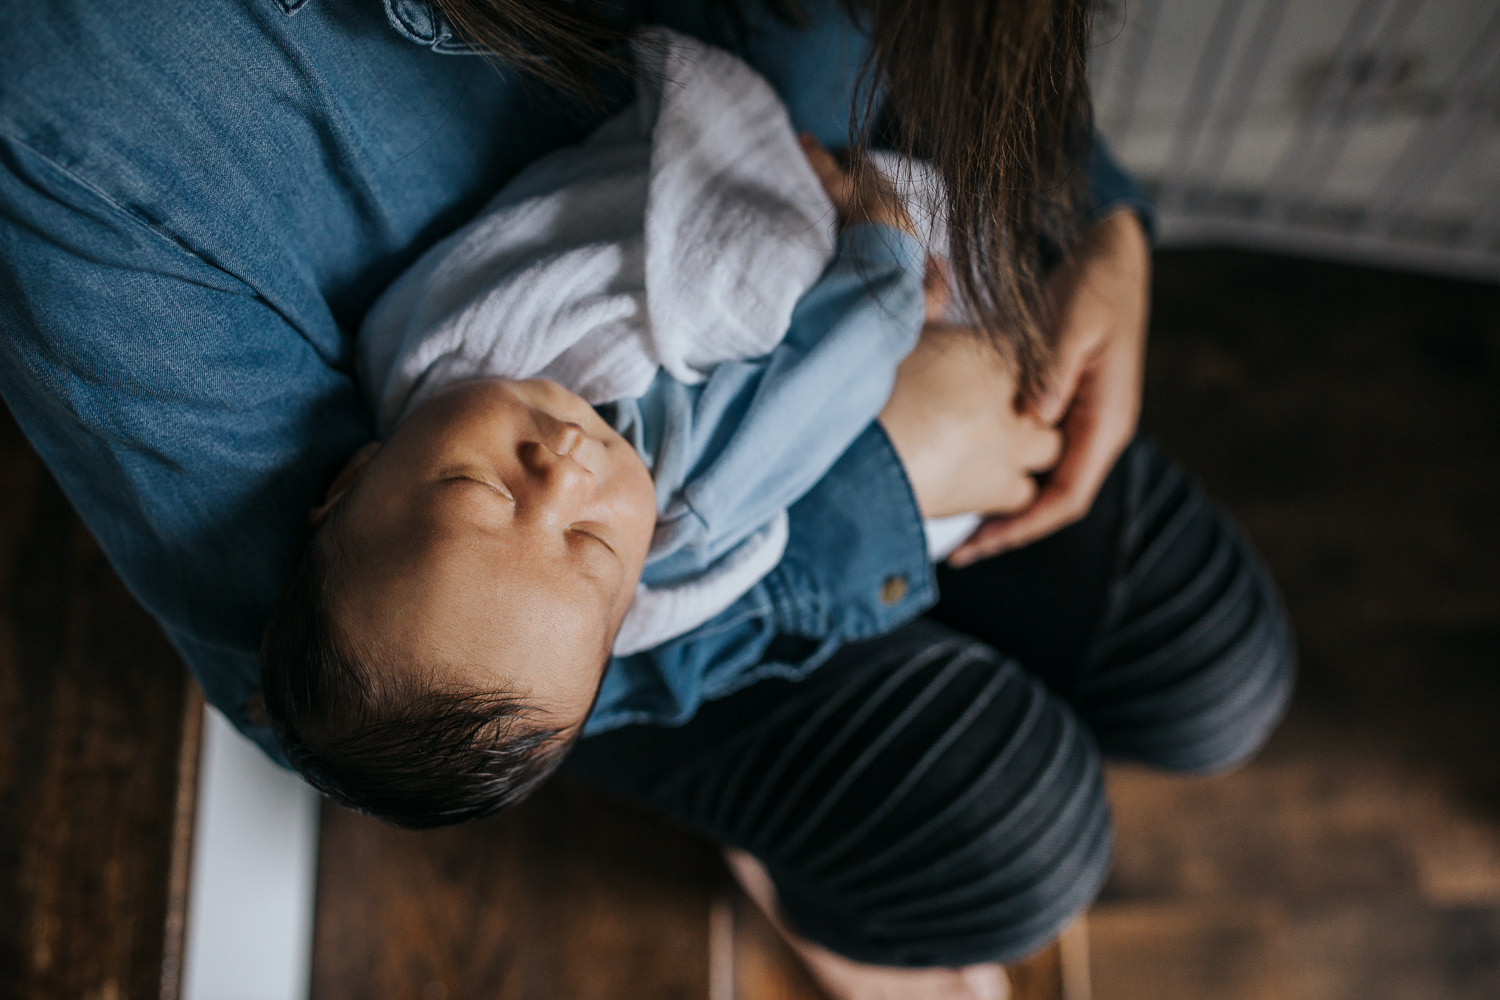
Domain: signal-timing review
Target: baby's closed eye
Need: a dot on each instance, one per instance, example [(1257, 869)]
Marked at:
[(468, 475)]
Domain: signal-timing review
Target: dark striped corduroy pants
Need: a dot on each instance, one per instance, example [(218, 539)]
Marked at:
[(934, 797)]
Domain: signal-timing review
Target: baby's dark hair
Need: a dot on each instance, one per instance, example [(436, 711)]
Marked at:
[(386, 742)]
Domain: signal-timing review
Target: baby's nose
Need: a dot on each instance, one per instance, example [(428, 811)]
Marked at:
[(565, 438), (559, 481)]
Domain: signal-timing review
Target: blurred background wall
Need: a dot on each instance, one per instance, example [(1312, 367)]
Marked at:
[(1358, 129)]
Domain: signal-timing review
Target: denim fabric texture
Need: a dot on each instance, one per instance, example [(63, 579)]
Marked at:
[(198, 202)]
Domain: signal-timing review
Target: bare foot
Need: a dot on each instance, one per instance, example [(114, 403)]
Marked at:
[(844, 979)]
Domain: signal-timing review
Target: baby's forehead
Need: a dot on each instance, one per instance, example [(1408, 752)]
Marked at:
[(558, 690), (545, 650)]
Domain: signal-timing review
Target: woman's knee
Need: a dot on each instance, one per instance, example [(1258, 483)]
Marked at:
[(1196, 664), (1002, 841)]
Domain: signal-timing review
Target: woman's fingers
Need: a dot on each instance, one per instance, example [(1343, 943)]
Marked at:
[(1075, 349), (1031, 448), (1096, 431), (1022, 494), (1071, 488), (1044, 446), (1100, 305)]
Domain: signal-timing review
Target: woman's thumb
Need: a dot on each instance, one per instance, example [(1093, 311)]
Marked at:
[(1058, 388)]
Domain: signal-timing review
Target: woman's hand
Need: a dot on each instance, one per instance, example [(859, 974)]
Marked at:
[(1099, 304), (956, 424)]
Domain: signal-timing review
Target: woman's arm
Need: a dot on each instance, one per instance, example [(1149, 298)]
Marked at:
[(1098, 302), (187, 421), (761, 433)]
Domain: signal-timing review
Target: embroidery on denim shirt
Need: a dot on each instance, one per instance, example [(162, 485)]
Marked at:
[(416, 21), (290, 6)]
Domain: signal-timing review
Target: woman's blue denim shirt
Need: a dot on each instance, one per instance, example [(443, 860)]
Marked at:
[(199, 199)]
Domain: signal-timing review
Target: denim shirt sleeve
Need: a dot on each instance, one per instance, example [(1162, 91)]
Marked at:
[(761, 433), (855, 567), (1111, 188), (169, 434)]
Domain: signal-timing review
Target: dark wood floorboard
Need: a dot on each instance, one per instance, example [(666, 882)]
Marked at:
[(98, 754), (567, 897), (1351, 420)]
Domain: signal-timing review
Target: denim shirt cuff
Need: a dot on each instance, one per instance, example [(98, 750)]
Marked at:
[(856, 563)]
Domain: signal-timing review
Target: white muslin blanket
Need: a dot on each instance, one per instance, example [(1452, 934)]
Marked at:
[(679, 235)]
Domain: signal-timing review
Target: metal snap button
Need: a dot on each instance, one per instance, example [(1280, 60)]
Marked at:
[(893, 589)]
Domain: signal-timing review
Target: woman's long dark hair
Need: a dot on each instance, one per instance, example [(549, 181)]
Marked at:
[(994, 93)]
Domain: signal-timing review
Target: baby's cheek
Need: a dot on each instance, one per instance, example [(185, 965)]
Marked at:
[(638, 503)]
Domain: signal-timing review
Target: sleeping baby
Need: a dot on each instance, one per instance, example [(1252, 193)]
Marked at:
[(596, 403)]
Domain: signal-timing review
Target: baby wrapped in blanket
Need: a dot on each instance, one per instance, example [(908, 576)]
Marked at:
[(597, 402)]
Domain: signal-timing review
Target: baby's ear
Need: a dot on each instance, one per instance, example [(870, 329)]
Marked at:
[(341, 483)]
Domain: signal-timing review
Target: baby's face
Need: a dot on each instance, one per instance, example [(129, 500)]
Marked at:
[(495, 542)]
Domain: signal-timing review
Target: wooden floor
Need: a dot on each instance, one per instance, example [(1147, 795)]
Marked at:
[(1351, 419), (99, 726), (569, 897)]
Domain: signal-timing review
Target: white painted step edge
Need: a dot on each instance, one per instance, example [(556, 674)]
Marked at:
[(254, 868)]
